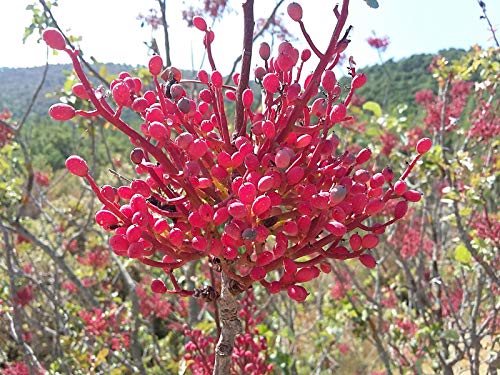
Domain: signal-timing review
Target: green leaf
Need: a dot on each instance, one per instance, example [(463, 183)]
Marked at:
[(372, 3), (462, 254), (373, 107), (451, 335)]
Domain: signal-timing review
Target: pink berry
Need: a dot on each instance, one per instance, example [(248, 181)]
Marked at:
[(54, 38), (369, 241), (105, 218), (80, 91), (121, 94), (358, 81), (264, 51), (271, 83), (374, 206), (305, 55), (297, 293), (304, 275), (199, 23), (399, 187), (400, 209), (295, 175), (247, 98), (119, 244), (368, 260), (328, 80), (363, 156), (257, 273), (61, 112), (199, 243), (355, 241), (217, 79), (158, 286), (412, 195), (424, 145), (294, 10), (336, 228), (155, 65), (77, 166), (261, 204), (338, 113)]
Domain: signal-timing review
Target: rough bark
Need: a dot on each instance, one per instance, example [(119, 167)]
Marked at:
[(230, 326)]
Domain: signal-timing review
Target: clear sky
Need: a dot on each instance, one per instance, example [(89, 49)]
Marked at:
[(111, 32)]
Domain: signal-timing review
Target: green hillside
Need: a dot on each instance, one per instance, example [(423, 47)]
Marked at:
[(396, 82)]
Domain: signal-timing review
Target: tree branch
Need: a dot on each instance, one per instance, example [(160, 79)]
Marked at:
[(246, 56)]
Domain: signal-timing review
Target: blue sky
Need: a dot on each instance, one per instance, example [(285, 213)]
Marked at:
[(111, 32)]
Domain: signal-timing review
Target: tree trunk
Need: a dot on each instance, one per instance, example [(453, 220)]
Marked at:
[(230, 326)]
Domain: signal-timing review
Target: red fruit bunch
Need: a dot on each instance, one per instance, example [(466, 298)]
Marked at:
[(273, 202)]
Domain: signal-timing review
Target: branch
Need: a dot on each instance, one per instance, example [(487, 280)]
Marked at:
[(68, 41), (239, 126), (485, 16), (165, 30), (256, 36)]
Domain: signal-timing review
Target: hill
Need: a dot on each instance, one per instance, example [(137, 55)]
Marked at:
[(396, 82), (390, 84)]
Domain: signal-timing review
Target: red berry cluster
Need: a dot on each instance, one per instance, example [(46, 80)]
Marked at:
[(273, 202)]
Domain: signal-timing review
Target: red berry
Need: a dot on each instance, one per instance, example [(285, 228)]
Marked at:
[(374, 206), (247, 98), (363, 156), (216, 79), (369, 241), (358, 81), (54, 38), (304, 275), (368, 260), (297, 293), (355, 241), (328, 80), (121, 94), (80, 91), (105, 218), (61, 112), (305, 55), (155, 65), (424, 145), (400, 209), (271, 83), (199, 23), (264, 51), (199, 243), (336, 228), (77, 166), (412, 195), (295, 175), (294, 10), (257, 273), (158, 286), (338, 113), (399, 187), (261, 204)]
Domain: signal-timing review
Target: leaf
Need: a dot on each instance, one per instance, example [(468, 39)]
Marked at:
[(372, 3), (451, 335), (373, 107), (462, 254), (101, 356)]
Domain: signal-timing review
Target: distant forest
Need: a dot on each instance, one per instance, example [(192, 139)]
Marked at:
[(390, 84)]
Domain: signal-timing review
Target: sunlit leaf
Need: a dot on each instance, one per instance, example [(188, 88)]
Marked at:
[(373, 107), (462, 254)]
